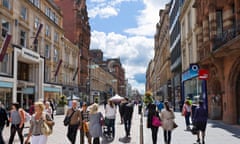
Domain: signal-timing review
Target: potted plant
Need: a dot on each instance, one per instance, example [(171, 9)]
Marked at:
[(62, 102)]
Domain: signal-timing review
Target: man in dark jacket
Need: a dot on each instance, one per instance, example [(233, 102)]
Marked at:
[(200, 121), (127, 115), (3, 121)]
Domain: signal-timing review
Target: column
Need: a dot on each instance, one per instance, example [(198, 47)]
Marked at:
[(15, 69)]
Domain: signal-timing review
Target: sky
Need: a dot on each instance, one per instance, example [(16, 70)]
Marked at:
[(125, 29)]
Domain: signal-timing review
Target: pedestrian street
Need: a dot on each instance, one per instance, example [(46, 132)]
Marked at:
[(216, 132)]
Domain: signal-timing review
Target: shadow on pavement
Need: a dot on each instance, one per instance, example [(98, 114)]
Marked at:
[(235, 130)]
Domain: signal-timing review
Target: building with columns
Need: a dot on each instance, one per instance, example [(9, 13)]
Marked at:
[(32, 66), (218, 46)]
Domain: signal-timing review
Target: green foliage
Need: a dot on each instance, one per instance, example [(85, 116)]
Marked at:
[(62, 100), (148, 98)]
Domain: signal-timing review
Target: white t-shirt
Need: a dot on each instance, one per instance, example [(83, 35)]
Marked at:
[(110, 112)]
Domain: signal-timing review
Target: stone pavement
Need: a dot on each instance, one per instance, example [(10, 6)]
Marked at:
[(217, 132)]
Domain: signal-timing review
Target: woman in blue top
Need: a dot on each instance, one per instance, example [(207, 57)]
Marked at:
[(200, 121)]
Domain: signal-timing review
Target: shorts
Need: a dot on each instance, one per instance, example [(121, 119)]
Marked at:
[(201, 126)]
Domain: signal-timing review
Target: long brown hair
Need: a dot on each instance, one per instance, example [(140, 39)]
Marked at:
[(167, 106), (111, 104)]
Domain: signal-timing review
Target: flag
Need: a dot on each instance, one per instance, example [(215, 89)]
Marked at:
[(5, 46)]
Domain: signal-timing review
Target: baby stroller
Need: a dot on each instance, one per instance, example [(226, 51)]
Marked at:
[(107, 132)]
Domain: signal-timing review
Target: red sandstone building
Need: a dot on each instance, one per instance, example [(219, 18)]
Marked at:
[(77, 30), (218, 45)]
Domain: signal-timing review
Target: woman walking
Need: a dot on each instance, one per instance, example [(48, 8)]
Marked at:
[(200, 121), (151, 113), (110, 115), (37, 120), (95, 126), (168, 117), (186, 112), (17, 117)]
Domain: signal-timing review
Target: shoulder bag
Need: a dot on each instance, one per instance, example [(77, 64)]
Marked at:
[(67, 119)]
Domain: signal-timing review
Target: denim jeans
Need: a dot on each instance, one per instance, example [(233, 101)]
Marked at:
[(110, 126), (187, 119)]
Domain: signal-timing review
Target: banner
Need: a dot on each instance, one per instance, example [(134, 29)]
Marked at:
[(5, 46)]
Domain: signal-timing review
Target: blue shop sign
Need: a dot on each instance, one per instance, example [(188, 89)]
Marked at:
[(4, 84), (189, 75)]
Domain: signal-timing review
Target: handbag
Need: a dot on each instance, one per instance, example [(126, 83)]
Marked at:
[(45, 129), (85, 127), (194, 130), (67, 119), (156, 121), (174, 125)]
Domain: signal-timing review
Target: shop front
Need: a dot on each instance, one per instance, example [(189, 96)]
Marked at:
[(6, 93)]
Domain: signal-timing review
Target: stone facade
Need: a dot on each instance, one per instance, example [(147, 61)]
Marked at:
[(32, 67), (76, 25), (218, 46), (162, 72)]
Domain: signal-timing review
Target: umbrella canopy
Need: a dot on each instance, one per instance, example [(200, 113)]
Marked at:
[(73, 97), (116, 98)]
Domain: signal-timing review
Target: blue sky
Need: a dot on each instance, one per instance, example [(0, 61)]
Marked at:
[(125, 29)]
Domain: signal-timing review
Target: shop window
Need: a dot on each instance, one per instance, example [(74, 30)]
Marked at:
[(5, 28)]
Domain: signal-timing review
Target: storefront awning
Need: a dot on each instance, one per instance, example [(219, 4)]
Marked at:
[(6, 84), (51, 89)]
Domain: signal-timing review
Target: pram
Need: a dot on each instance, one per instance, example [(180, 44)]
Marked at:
[(107, 133)]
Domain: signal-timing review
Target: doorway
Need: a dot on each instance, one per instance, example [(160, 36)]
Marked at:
[(238, 98)]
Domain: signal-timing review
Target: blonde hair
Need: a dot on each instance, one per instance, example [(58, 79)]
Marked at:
[(40, 104), (93, 108)]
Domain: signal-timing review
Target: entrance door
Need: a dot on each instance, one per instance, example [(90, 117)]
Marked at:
[(25, 100), (238, 98)]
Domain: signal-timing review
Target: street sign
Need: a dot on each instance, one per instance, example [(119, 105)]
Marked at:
[(203, 74)]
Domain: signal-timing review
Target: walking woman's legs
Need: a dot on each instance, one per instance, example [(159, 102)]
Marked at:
[(12, 133), (154, 134)]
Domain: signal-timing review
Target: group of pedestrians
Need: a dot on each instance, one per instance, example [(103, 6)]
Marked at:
[(195, 114), (17, 117), (166, 116)]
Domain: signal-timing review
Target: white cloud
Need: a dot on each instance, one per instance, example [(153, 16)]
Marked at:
[(136, 50)]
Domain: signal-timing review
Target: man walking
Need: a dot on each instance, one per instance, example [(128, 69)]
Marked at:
[(127, 116), (75, 122), (3, 121)]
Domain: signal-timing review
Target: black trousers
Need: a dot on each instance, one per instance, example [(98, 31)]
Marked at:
[(14, 129), (96, 140), (72, 133), (1, 136), (127, 125), (154, 134), (167, 136)]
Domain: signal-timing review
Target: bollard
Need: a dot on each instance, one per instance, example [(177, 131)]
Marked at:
[(141, 128)]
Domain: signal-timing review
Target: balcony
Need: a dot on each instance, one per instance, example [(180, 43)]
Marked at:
[(227, 35)]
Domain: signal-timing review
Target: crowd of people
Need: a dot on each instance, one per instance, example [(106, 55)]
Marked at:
[(90, 121)]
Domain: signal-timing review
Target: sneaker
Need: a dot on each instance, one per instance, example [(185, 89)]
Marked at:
[(198, 140)]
